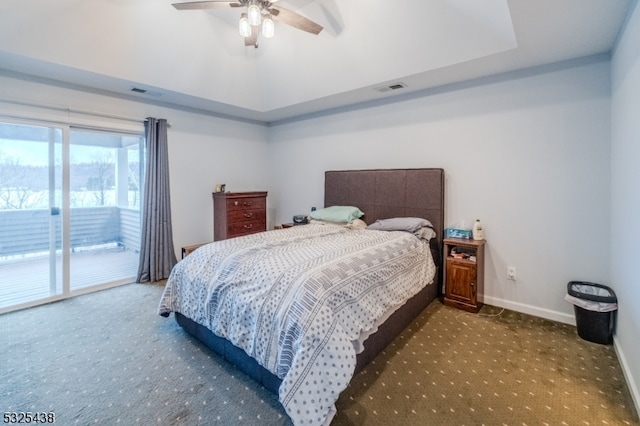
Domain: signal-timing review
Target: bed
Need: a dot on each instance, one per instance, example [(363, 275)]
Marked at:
[(332, 312)]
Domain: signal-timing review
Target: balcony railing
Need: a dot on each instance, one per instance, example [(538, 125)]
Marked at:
[(105, 248), (25, 232)]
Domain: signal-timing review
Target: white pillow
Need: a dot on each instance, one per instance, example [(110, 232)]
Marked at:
[(357, 224)]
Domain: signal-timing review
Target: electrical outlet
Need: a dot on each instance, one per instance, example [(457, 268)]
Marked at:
[(511, 273)]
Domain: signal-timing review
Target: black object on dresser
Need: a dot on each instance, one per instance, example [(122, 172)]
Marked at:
[(238, 213)]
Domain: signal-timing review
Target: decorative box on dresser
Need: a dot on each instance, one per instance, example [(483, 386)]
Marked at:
[(463, 275), (238, 213)]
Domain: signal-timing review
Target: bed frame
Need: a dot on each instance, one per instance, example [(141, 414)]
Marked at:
[(381, 194)]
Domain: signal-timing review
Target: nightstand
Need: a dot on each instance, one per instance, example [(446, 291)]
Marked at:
[(290, 225), (186, 250), (463, 273)]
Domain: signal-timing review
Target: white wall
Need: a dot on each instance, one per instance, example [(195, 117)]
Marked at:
[(625, 197), (527, 153), (203, 150)]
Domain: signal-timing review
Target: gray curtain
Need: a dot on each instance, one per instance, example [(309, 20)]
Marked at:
[(157, 255)]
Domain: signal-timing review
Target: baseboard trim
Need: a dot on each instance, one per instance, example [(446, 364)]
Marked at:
[(531, 310), (626, 371), (571, 320)]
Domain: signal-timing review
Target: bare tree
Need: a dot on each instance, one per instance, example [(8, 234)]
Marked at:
[(18, 185), (102, 179)]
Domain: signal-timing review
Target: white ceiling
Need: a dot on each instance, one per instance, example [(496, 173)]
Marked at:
[(195, 59)]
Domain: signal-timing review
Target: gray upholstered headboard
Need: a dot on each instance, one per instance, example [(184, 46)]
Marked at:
[(386, 193)]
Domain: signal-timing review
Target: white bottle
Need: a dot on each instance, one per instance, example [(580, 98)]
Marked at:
[(478, 232)]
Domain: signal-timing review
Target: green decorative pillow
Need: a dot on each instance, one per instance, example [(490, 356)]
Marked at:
[(340, 214)]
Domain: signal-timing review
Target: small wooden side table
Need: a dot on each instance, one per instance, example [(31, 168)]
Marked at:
[(186, 250), (290, 225), (463, 273)]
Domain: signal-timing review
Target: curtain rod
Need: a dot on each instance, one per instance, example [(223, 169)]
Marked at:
[(70, 110)]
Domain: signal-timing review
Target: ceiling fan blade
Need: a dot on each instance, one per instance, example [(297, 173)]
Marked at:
[(211, 4), (290, 17)]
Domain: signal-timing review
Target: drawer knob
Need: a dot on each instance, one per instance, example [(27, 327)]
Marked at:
[(248, 215), (247, 203), (248, 226)]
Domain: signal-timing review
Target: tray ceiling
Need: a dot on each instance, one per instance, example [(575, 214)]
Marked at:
[(196, 59)]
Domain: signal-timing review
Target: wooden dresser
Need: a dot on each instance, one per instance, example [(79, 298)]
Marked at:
[(238, 213)]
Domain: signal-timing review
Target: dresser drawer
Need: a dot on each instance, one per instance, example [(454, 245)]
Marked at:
[(246, 215), (241, 204), (245, 228)]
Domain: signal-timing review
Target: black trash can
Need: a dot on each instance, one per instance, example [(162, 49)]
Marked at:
[(595, 306)]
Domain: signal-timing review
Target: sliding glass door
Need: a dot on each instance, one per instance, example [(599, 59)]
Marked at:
[(104, 209), (69, 211), (30, 207)]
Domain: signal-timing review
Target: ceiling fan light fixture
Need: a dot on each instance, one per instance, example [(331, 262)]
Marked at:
[(255, 14), (244, 28), (268, 27), (251, 25)]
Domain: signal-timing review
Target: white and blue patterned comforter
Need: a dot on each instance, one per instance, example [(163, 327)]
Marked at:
[(296, 300)]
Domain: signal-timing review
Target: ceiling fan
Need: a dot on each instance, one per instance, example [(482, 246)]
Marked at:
[(258, 18)]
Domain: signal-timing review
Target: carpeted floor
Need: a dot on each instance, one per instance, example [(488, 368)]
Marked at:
[(497, 367), (107, 358)]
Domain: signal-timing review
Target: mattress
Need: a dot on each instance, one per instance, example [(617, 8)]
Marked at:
[(297, 299)]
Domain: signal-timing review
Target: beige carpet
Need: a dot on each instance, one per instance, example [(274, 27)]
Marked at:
[(107, 358), (492, 368)]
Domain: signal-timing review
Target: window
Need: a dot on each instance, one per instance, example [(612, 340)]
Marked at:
[(69, 210)]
